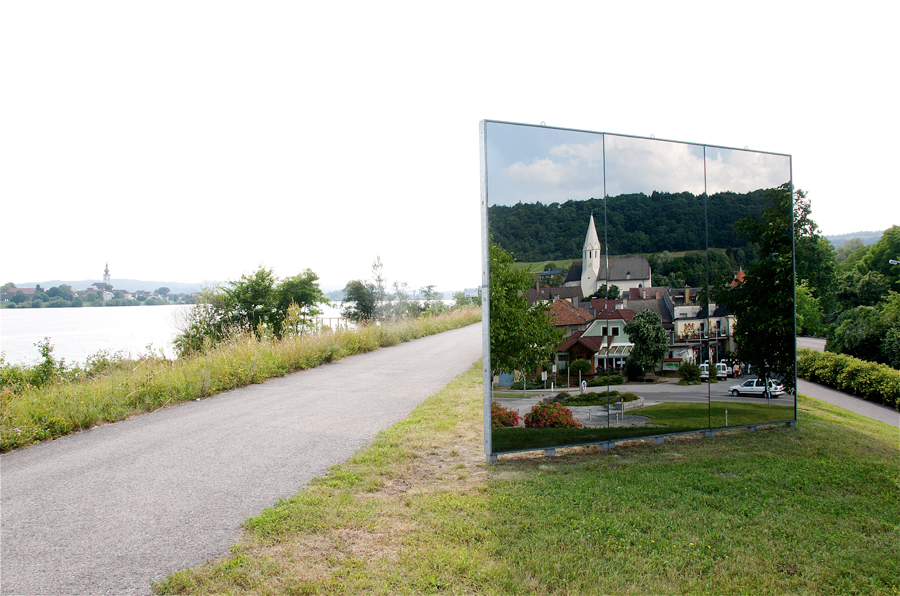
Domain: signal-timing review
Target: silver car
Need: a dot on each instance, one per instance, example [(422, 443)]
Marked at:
[(756, 387)]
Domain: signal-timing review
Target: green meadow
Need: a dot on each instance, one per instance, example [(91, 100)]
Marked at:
[(804, 510)]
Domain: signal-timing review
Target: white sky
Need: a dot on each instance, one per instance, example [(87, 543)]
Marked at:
[(190, 141)]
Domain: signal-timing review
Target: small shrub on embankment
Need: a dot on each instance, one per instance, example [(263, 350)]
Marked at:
[(869, 380), (31, 413)]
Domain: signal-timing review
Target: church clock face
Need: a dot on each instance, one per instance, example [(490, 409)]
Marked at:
[(641, 228)]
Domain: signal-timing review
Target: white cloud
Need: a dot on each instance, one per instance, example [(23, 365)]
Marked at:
[(745, 171), (544, 173), (647, 165)]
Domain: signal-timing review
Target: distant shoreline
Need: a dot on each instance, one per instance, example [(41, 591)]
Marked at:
[(102, 304)]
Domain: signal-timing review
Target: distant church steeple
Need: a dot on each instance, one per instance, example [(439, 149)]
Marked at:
[(590, 261), (106, 277)]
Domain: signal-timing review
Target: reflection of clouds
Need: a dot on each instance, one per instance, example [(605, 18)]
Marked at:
[(745, 171), (644, 165), (569, 171), (590, 154), (534, 164), (544, 172)]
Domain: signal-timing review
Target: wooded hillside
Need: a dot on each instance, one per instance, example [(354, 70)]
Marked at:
[(637, 223)]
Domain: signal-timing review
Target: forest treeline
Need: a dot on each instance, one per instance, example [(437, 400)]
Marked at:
[(637, 223)]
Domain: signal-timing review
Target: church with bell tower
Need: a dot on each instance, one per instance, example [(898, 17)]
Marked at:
[(594, 269)]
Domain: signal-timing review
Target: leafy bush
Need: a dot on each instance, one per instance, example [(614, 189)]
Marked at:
[(605, 380), (580, 366), (551, 415), (869, 380), (501, 416), (628, 397), (689, 374)]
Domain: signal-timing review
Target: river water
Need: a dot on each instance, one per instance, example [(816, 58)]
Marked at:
[(77, 333)]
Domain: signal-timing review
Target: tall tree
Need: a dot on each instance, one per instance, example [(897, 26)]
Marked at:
[(860, 332), (522, 336), (301, 296), (815, 256), (651, 344), (359, 301), (249, 301), (379, 289), (879, 256), (809, 311), (763, 304)]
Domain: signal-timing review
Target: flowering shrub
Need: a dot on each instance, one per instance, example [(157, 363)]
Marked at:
[(501, 416), (550, 415)]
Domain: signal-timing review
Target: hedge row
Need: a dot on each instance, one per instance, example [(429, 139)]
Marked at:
[(606, 380), (869, 380)]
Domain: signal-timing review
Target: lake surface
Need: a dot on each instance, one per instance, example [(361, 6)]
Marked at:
[(76, 333)]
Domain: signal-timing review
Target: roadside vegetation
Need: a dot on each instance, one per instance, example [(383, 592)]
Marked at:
[(52, 399), (243, 332), (869, 380), (810, 509)]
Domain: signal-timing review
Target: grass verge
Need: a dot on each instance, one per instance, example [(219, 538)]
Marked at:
[(811, 509), (126, 388)]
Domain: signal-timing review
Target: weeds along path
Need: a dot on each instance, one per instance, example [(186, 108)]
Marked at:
[(109, 510)]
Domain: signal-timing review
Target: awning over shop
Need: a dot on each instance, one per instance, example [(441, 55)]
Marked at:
[(620, 351)]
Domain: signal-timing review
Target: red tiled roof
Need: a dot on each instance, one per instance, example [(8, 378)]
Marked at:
[(564, 313), (625, 314), (601, 304), (593, 343)]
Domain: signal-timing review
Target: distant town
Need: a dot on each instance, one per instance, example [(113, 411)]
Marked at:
[(101, 293), (63, 294)]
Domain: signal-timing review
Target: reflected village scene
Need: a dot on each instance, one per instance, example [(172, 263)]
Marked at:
[(637, 288)]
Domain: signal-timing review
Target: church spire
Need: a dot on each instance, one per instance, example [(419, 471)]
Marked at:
[(590, 260), (591, 241), (106, 276)]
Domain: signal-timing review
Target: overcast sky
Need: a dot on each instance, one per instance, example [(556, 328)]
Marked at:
[(190, 141)]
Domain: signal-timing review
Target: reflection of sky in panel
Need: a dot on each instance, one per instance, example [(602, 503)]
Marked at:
[(528, 164), (745, 171), (635, 165)]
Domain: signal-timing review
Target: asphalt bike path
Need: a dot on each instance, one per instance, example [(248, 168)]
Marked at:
[(109, 510), (850, 402)]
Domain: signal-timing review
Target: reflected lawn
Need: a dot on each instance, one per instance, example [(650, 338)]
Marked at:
[(671, 417)]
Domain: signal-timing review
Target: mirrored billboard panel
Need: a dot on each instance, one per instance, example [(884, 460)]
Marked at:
[(617, 270)]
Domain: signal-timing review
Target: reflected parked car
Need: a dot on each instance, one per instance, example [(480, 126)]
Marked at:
[(722, 371), (756, 387)]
